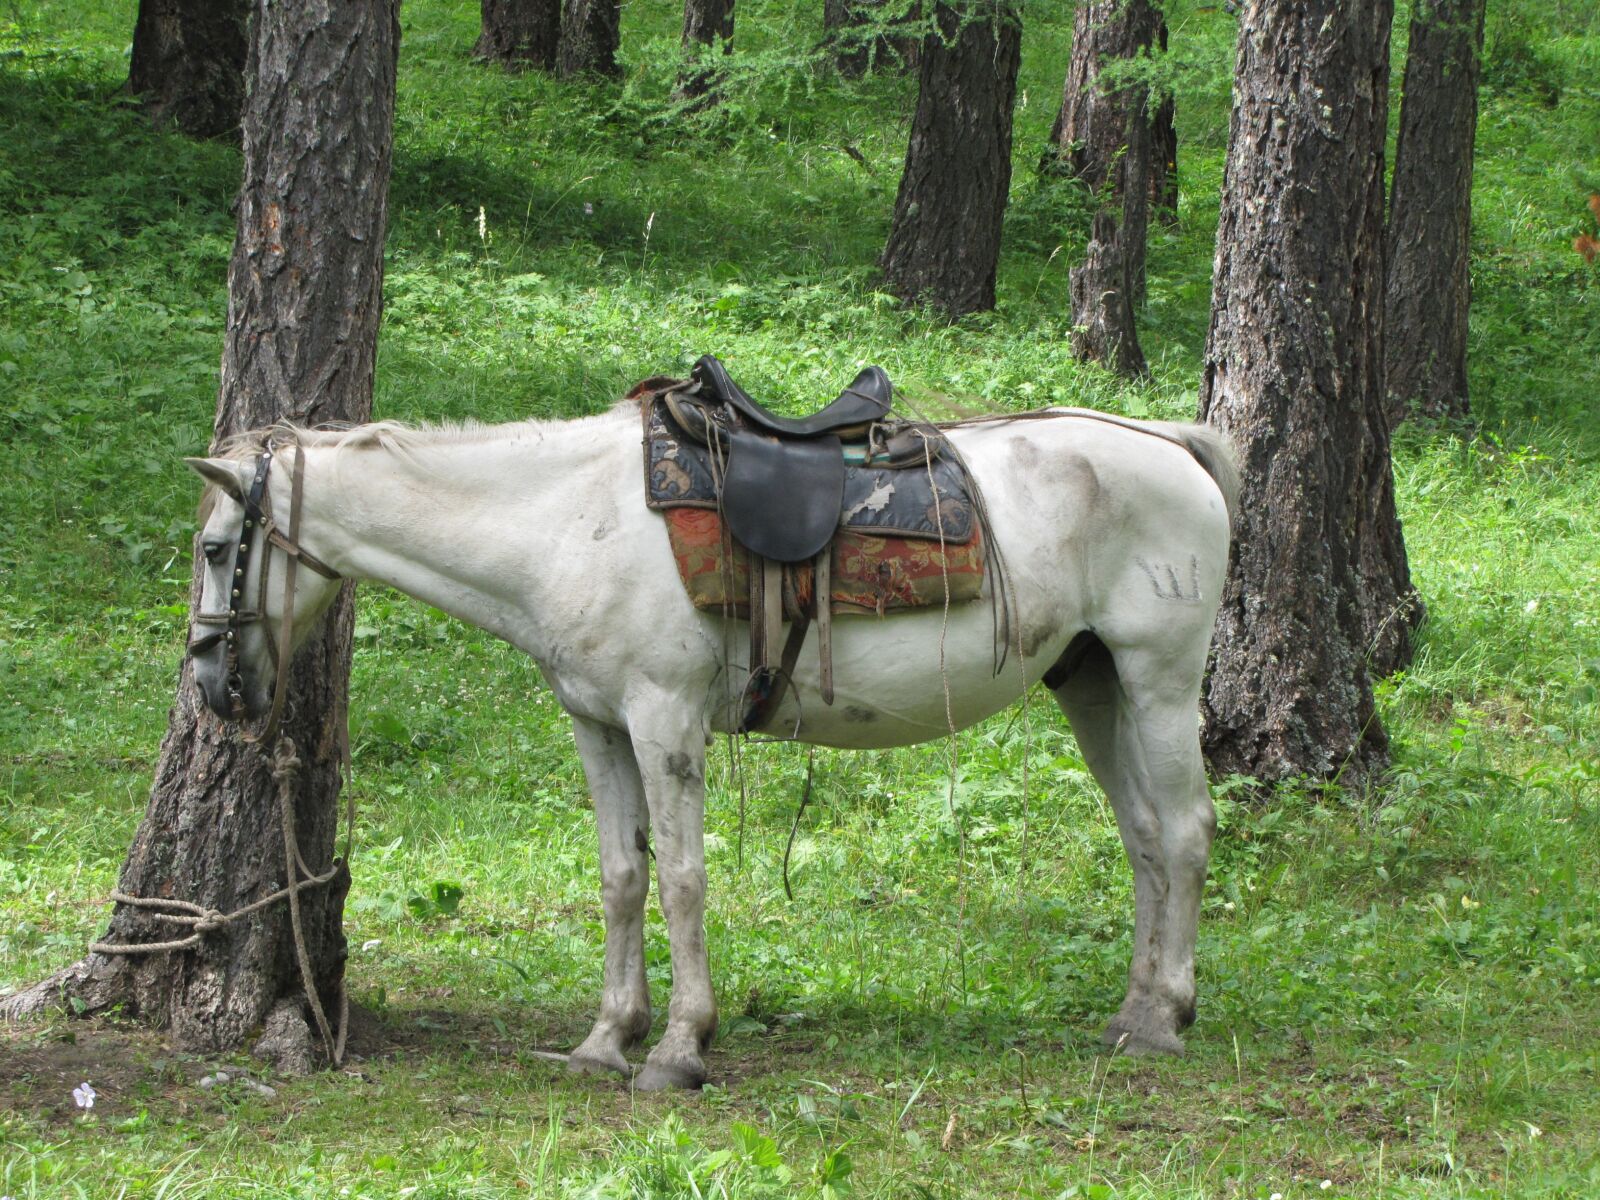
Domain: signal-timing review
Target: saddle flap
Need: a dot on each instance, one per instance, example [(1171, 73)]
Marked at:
[(782, 499)]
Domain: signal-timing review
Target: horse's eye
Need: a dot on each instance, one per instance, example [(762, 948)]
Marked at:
[(213, 550)]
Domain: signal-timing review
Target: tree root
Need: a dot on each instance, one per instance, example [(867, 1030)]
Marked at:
[(89, 986)]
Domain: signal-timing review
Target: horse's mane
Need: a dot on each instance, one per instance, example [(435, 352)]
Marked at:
[(395, 437)]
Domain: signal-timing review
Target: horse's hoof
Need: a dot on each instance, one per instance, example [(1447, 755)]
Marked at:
[(662, 1077), (1134, 1042), (588, 1062)]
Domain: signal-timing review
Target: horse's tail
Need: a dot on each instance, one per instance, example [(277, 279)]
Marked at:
[(1213, 451)]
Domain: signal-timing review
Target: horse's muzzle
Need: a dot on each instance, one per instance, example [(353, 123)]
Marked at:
[(228, 699)]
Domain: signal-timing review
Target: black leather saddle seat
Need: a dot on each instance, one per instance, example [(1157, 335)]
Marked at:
[(784, 479), (866, 400)]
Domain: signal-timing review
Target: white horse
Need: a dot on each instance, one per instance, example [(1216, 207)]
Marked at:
[(1115, 539)]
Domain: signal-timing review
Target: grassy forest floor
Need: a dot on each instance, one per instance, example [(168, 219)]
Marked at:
[(1400, 992)]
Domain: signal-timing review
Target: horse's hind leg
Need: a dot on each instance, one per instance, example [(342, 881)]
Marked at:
[(623, 824), (1135, 716)]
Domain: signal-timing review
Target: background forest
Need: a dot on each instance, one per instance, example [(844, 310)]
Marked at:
[(1400, 989)]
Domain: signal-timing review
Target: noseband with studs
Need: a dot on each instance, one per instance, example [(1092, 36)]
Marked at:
[(256, 521)]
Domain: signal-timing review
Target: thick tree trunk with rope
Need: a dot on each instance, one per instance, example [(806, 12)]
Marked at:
[(188, 61), (944, 243), (305, 295), (1294, 373)]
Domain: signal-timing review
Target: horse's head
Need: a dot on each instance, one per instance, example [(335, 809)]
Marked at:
[(256, 605)]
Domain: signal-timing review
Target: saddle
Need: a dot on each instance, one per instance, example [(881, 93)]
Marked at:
[(783, 490), (797, 495)]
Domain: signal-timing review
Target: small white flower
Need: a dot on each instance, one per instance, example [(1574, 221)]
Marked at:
[(588, 209), (1325, 1184), (1275, 1196), (483, 225), (1533, 1130), (1531, 606), (83, 1095)]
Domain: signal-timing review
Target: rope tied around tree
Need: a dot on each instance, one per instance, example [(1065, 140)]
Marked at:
[(285, 764)]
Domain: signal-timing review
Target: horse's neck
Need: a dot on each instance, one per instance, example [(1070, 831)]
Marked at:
[(462, 525)]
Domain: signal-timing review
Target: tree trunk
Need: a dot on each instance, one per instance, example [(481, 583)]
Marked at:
[(1391, 608), (188, 64), (520, 33), (1091, 126), (944, 243), (1164, 148), (1102, 304), (1430, 212), (591, 31), (705, 24), (305, 294), (857, 33), (1294, 373), (1103, 138)]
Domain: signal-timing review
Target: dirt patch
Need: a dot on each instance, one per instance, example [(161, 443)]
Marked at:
[(131, 1067), (127, 1067)]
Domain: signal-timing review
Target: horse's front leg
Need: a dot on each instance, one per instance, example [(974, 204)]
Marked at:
[(671, 756), (623, 825)]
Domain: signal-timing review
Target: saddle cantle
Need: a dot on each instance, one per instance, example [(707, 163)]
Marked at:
[(842, 511), (866, 400)]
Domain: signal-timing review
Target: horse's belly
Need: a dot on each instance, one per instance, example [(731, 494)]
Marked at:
[(901, 680)]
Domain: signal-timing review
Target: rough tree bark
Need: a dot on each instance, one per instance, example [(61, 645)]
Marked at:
[(1164, 148), (188, 64), (520, 33), (1430, 212), (1103, 328), (591, 31), (1090, 129), (1085, 143), (855, 32), (1294, 373), (706, 23), (1103, 138), (305, 294), (944, 243)]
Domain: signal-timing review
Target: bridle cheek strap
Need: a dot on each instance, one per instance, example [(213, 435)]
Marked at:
[(283, 652)]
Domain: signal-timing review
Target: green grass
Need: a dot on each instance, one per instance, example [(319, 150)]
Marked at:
[(1400, 993)]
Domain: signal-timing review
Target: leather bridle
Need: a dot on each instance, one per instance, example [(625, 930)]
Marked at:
[(257, 522)]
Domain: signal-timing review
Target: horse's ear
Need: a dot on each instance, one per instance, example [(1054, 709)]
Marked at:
[(219, 473)]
